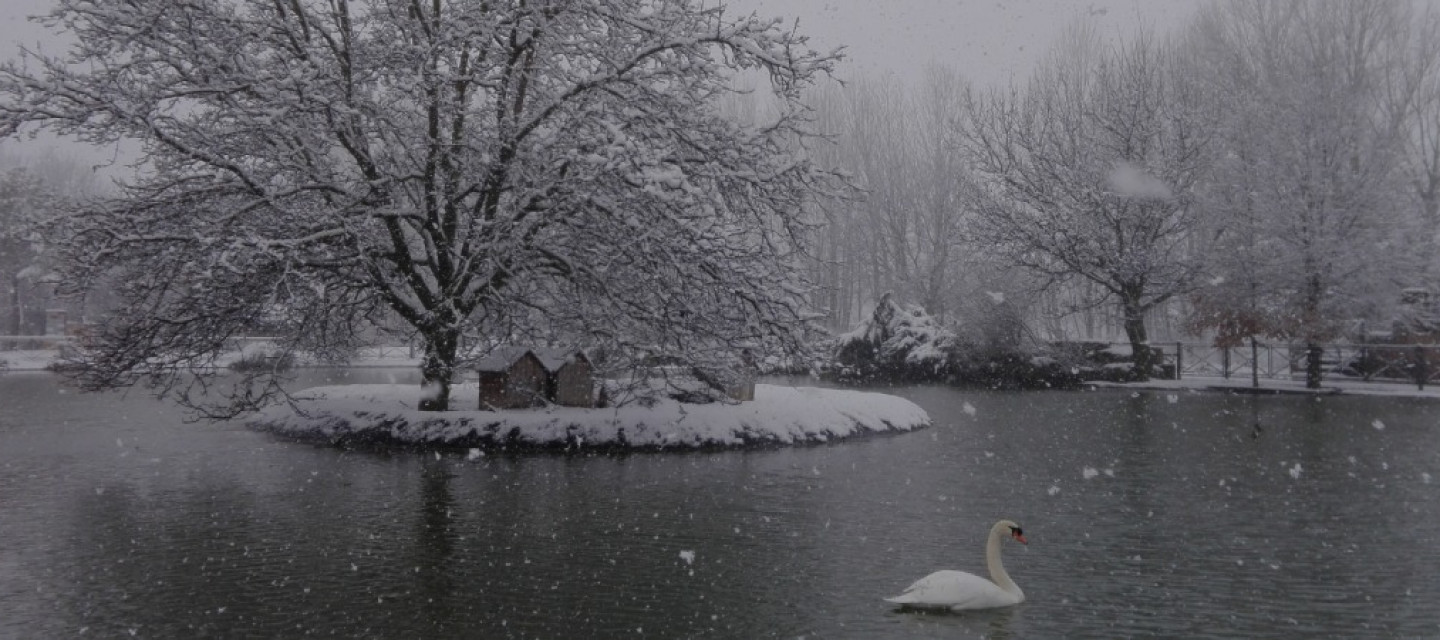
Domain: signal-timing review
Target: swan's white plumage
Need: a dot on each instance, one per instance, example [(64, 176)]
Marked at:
[(958, 590), (948, 589)]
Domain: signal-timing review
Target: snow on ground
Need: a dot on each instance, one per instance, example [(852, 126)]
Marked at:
[(778, 415), (31, 360)]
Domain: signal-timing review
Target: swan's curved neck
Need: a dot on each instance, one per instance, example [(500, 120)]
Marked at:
[(998, 575)]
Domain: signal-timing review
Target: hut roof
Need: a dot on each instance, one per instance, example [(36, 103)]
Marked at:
[(553, 358), (501, 359)]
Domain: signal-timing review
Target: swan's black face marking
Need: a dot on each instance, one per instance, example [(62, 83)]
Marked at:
[(1018, 535)]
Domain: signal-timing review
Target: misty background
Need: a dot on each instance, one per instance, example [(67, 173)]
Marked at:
[(906, 115)]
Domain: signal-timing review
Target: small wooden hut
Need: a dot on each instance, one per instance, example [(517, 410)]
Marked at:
[(512, 378), (742, 387), (571, 377)]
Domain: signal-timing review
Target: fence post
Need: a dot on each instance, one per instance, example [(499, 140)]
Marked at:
[(1225, 361), (1254, 363), (1422, 368), (1179, 349)]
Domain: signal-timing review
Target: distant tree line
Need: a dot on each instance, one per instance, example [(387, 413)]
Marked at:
[(1270, 170)]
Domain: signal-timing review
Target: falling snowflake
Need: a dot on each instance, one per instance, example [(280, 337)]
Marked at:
[(688, 556), (1379, 426), (1089, 472), (968, 408)]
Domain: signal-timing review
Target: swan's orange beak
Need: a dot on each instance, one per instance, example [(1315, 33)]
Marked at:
[(1019, 537)]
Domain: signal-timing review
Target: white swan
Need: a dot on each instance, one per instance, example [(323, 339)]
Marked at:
[(958, 591)]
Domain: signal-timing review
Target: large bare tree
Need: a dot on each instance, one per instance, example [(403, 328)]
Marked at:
[(546, 169), (1089, 173)]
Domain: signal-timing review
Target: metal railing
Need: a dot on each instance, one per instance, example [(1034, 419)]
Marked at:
[(1390, 363), (32, 343)]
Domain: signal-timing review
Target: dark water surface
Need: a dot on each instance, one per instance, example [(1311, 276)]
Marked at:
[(1149, 515)]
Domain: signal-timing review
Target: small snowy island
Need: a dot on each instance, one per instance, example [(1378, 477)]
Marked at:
[(385, 414)]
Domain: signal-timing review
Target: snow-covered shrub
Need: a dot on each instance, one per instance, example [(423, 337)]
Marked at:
[(1089, 361), (683, 384), (262, 356), (897, 341)]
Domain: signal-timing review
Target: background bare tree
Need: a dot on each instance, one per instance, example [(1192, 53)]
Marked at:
[(1089, 173), (901, 233), (33, 189), (1309, 196)]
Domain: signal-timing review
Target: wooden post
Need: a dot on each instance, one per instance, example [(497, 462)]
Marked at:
[(1225, 361), (1179, 358), (1422, 368), (1254, 363)]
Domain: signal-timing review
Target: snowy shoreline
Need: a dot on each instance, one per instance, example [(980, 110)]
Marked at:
[(382, 414)]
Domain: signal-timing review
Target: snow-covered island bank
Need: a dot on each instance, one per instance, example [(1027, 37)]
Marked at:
[(385, 414)]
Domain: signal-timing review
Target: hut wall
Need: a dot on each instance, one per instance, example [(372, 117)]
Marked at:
[(525, 386), (743, 391), (521, 385), (492, 389), (575, 384)]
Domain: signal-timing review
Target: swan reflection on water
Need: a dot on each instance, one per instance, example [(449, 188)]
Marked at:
[(1000, 623)]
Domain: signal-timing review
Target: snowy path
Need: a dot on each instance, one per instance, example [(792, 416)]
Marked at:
[(1243, 385)]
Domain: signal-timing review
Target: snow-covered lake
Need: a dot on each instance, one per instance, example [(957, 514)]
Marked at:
[(1154, 514)]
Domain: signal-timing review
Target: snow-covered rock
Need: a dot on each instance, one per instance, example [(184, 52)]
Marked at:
[(778, 415)]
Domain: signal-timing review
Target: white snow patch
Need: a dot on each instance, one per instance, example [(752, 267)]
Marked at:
[(1089, 472), (1054, 489), (688, 556), (1132, 181), (784, 415)]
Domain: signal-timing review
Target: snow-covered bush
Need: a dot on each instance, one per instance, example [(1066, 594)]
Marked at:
[(897, 341), (262, 356)]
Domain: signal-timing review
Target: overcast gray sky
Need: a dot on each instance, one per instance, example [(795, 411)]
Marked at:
[(986, 41)]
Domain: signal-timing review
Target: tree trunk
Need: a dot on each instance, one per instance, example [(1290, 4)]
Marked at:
[(1314, 294), (16, 315), (437, 369), (1139, 340), (1313, 366)]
